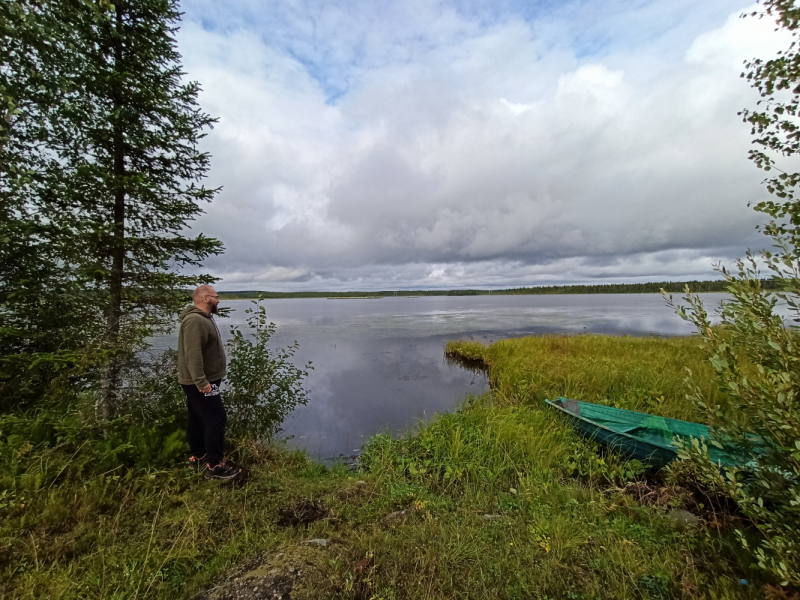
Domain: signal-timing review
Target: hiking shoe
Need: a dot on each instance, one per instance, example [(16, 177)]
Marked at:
[(221, 471), (196, 463)]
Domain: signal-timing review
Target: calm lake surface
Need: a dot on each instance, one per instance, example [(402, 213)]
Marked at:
[(379, 364)]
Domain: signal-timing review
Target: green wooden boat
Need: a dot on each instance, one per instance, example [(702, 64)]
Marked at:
[(647, 438)]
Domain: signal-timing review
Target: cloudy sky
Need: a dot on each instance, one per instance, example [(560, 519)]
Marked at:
[(377, 144)]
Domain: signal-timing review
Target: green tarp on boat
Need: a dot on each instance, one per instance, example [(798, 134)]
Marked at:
[(647, 438)]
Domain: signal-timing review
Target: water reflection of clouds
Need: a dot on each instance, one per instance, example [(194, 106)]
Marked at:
[(374, 386), (379, 364)]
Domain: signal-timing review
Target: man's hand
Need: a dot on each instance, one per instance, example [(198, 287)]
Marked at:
[(206, 390)]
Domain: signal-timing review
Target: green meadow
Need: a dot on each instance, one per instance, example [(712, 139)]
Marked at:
[(500, 499)]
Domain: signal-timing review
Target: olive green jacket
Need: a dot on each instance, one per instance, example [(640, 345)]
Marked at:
[(201, 355)]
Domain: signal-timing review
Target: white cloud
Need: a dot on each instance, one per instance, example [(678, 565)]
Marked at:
[(738, 40), (470, 154)]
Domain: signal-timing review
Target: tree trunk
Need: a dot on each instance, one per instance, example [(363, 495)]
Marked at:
[(111, 371)]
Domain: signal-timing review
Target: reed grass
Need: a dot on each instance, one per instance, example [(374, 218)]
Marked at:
[(644, 374)]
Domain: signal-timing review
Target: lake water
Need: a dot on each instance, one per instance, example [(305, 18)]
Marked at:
[(379, 365)]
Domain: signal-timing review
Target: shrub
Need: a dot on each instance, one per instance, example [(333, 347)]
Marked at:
[(757, 362), (755, 354), (262, 385), (150, 388)]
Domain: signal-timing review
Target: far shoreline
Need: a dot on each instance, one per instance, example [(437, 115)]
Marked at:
[(671, 287)]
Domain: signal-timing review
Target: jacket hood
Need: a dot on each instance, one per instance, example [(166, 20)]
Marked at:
[(192, 309)]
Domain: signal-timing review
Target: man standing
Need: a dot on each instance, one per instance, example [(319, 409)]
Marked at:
[(201, 367)]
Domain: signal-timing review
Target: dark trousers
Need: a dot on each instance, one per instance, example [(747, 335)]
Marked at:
[(206, 425)]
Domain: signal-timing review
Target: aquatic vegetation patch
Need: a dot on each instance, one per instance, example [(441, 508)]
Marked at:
[(646, 374)]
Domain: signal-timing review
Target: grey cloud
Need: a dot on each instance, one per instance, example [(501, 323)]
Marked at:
[(487, 159), (673, 265)]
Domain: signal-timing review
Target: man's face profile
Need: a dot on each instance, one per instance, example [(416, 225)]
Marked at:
[(213, 303)]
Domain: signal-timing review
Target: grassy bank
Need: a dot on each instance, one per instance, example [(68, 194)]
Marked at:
[(498, 500), (645, 374)]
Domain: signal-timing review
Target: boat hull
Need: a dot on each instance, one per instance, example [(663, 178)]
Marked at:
[(650, 439)]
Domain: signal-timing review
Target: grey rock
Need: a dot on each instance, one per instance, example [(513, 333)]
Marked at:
[(682, 518), (318, 541), (488, 517), (398, 514)]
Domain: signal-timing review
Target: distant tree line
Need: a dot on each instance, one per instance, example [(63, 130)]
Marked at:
[(719, 285)]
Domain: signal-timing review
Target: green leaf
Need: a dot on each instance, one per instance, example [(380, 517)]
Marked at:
[(719, 363)]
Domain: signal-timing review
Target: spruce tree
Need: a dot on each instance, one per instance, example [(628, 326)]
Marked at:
[(40, 298), (131, 138), (118, 171)]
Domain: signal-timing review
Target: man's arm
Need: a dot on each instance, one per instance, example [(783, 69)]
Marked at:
[(194, 336)]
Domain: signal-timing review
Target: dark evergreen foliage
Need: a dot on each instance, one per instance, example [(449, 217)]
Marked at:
[(43, 311), (112, 172)]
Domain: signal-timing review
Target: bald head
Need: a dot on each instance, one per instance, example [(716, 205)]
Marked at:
[(205, 298), (201, 291)]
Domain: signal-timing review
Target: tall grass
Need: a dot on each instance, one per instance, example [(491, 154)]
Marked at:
[(499, 500), (558, 524), (116, 514), (644, 374), (494, 511)]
